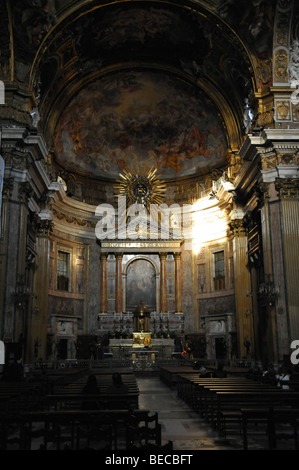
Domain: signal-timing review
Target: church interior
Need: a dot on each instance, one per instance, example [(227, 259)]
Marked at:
[(149, 158)]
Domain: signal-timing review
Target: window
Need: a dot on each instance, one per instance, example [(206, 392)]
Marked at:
[(63, 271), (219, 279)]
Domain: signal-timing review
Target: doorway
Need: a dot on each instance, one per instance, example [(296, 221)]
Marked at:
[(220, 348), (62, 348)]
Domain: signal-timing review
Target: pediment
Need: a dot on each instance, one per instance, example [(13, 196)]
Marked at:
[(143, 229)]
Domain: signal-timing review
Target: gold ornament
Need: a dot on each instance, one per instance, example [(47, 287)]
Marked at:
[(141, 186)]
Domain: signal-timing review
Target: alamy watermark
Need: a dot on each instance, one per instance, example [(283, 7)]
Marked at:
[(2, 92), (138, 222), (2, 353), (295, 354)]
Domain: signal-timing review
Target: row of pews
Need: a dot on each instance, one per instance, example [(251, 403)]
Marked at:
[(71, 395), (56, 420), (239, 405)]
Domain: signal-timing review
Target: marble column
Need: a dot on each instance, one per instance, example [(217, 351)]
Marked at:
[(118, 283), (23, 312), (243, 303), (178, 283), (103, 280), (163, 286), (4, 240), (38, 322)]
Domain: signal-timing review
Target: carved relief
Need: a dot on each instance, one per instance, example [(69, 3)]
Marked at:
[(283, 110), (70, 219), (235, 166), (284, 159), (281, 66), (265, 117), (65, 328), (269, 162)]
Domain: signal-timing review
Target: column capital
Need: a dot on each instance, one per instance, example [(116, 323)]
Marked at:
[(25, 191), (287, 188), (7, 187), (238, 227), (43, 227)]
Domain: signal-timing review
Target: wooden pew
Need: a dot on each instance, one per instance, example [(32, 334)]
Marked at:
[(190, 387), (169, 375), (234, 401), (202, 394), (272, 418), (66, 426), (104, 401)]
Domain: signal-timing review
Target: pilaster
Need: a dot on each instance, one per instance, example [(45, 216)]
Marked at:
[(288, 192)]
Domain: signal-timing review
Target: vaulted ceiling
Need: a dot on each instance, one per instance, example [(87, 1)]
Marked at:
[(162, 83)]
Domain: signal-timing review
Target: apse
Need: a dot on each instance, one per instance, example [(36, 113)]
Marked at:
[(140, 118)]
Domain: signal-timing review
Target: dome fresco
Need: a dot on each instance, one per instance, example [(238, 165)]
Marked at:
[(140, 118)]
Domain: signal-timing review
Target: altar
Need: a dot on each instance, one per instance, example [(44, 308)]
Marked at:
[(163, 348), (143, 347), (141, 324)]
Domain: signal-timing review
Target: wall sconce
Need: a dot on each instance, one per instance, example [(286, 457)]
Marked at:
[(22, 292), (268, 290)]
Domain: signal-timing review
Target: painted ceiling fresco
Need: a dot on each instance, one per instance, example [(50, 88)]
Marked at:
[(144, 118), (141, 32)]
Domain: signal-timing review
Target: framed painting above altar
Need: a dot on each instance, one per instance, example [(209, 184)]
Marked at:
[(141, 285)]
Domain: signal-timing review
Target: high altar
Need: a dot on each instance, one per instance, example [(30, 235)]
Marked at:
[(141, 285)]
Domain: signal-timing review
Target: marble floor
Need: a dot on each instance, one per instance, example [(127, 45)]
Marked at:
[(187, 429), (180, 424)]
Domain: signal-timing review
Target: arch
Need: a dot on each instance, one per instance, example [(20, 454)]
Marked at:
[(230, 109), (146, 258)]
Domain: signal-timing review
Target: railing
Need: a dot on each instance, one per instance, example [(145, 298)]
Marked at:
[(114, 363)]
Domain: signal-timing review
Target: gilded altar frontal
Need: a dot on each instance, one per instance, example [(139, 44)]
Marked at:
[(149, 182)]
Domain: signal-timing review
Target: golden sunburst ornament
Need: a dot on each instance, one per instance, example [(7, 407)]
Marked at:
[(141, 186)]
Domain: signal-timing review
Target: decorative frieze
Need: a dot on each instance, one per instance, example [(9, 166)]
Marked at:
[(72, 219), (284, 159)]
